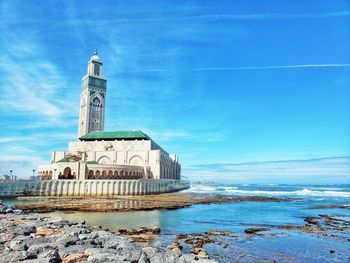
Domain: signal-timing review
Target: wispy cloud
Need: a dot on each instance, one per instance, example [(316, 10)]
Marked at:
[(254, 16), (290, 171), (30, 82), (297, 66), (8, 139)]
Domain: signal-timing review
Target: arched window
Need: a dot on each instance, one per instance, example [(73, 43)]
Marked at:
[(96, 102)]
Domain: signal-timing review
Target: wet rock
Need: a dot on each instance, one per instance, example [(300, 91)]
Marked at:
[(311, 220), (143, 234), (254, 231), (41, 239), (156, 230), (157, 244), (216, 232), (166, 201), (175, 248)]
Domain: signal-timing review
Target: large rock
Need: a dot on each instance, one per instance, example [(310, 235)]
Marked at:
[(13, 256), (51, 254), (37, 249), (16, 245), (43, 232), (152, 255), (75, 249), (129, 251), (67, 240), (73, 258), (104, 257)]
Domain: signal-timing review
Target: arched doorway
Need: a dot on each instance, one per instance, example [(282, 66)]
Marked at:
[(67, 174)]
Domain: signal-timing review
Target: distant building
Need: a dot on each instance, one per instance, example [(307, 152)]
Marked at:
[(112, 155), (6, 177)]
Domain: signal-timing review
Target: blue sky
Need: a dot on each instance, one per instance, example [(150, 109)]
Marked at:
[(222, 84)]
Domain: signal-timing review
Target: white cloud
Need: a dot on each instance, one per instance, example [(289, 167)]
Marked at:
[(325, 65), (322, 170)]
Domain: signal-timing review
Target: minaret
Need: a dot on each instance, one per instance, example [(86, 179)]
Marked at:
[(93, 98)]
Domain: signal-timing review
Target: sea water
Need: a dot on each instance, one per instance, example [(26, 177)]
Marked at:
[(287, 246)]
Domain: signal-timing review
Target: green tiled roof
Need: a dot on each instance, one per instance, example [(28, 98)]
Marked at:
[(92, 162), (64, 160), (115, 135)]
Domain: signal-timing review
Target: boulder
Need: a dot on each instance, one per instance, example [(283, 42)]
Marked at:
[(77, 257), (67, 240), (51, 254), (16, 245), (75, 249), (43, 232)]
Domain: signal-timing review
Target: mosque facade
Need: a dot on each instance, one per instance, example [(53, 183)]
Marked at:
[(107, 155)]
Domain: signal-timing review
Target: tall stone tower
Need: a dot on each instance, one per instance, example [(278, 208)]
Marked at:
[(93, 98)]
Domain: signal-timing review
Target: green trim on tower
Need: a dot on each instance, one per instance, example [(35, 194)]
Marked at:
[(115, 135), (92, 162)]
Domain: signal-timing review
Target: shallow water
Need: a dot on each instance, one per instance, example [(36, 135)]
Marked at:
[(291, 246)]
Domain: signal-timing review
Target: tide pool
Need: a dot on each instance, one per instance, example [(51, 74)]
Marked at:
[(283, 246)]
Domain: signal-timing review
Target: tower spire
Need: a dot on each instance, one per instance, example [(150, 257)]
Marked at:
[(93, 95)]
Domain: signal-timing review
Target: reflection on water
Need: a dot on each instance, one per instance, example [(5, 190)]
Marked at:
[(11, 201), (114, 220)]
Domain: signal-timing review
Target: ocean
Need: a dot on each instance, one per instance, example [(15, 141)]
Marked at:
[(273, 245)]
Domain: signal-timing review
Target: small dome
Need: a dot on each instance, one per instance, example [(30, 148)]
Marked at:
[(95, 57)]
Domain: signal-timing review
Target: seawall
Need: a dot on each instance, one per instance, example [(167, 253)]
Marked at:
[(90, 187)]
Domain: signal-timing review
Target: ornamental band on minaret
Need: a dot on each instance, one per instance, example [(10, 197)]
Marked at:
[(108, 162), (92, 101)]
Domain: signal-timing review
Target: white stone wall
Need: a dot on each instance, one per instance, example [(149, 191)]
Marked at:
[(91, 187), (157, 163)]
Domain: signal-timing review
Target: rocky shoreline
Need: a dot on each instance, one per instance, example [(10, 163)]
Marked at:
[(30, 237), (44, 204)]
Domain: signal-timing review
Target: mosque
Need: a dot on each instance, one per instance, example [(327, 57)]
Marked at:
[(108, 155)]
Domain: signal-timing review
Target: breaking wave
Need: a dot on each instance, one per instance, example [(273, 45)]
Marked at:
[(234, 190)]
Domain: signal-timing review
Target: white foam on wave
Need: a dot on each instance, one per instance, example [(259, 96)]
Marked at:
[(304, 192), (201, 189), (227, 187), (208, 188), (328, 192), (323, 193)]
